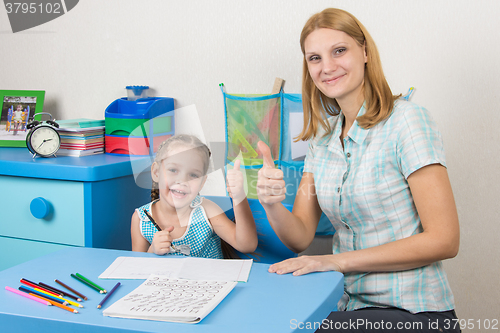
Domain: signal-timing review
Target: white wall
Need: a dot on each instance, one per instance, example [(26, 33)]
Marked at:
[(447, 50)]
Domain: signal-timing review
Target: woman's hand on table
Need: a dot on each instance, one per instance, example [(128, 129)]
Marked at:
[(306, 264)]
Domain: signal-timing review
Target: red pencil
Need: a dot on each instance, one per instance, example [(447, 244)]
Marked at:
[(36, 285)]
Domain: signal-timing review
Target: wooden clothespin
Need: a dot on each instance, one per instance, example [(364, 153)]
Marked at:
[(278, 84)]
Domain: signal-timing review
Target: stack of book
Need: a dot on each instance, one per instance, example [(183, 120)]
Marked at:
[(81, 137)]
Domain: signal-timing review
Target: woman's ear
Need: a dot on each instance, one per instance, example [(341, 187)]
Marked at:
[(155, 172)]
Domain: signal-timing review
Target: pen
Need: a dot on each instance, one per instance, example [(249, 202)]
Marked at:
[(71, 289), (108, 294), (152, 220), (175, 248)]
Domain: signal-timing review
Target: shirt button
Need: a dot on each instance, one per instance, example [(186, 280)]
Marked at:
[(338, 189), (347, 227), (348, 155)]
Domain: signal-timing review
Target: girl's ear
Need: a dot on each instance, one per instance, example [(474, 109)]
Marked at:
[(155, 172)]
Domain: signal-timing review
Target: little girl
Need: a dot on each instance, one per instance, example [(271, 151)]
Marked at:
[(190, 224)]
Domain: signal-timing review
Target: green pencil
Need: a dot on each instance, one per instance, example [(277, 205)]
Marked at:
[(87, 282), (102, 290)]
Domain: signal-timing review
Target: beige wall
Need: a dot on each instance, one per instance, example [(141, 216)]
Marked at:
[(448, 50)]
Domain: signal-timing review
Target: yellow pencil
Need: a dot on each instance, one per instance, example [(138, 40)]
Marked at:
[(64, 307), (61, 298)]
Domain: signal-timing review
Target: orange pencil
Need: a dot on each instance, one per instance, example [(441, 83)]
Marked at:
[(64, 307), (67, 308)]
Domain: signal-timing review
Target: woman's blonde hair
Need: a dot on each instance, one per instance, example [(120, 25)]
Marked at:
[(378, 96)]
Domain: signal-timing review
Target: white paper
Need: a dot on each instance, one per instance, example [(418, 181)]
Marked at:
[(215, 269), (167, 299), (142, 268), (183, 268), (299, 148)]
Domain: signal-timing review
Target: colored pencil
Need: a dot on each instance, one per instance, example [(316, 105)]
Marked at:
[(102, 290), (71, 289), (67, 301), (36, 285), (152, 220), (27, 295), (108, 294), (63, 293), (64, 307), (86, 283), (30, 290)]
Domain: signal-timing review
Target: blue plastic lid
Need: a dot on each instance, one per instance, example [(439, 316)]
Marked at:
[(137, 89)]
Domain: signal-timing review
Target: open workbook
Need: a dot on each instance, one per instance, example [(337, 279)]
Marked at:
[(171, 299)]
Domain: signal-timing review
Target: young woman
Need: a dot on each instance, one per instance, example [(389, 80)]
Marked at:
[(376, 167)]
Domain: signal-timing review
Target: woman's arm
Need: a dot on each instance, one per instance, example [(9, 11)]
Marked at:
[(433, 197), (297, 229)]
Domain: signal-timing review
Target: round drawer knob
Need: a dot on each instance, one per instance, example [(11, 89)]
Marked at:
[(40, 208)]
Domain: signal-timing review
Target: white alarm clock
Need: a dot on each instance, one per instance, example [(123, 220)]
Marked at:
[(43, 138)]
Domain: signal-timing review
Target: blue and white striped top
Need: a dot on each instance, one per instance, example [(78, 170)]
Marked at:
[(363, 190), (199, 235)]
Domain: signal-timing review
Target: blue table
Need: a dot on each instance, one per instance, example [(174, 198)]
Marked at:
[(266, 303)]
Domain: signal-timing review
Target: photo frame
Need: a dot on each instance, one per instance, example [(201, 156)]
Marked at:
[(17, 108)]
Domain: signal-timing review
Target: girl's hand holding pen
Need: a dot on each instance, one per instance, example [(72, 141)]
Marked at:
[(162, 240)]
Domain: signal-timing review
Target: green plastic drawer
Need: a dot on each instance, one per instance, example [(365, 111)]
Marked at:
[(138, 127)]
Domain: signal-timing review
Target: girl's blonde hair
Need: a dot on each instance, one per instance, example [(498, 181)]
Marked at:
[(378, 96), (189, 141), (184, 140)]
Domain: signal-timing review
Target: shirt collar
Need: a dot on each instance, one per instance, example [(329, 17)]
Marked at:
[(356, 132)]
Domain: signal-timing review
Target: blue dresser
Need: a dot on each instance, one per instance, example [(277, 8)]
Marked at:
[(50, 203)]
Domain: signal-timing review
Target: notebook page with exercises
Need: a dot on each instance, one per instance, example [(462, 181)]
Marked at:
[(169, 299)]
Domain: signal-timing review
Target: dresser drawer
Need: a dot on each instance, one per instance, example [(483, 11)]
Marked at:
[(64, 221), (15, 251)]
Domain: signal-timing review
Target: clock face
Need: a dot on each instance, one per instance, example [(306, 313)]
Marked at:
[(44, 141)]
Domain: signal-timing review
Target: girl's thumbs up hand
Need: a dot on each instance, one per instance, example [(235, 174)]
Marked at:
[(234, 182), (270, 184)]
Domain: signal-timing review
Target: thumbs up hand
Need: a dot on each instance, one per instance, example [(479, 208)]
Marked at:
[(270, 184), (234, 182)]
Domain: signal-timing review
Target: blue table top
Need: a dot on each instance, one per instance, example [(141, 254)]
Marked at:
[(266, 303), (19, 162)]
